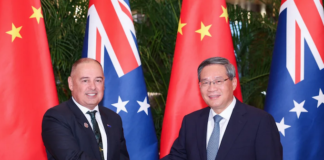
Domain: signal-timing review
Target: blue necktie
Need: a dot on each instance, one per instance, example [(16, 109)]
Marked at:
[(213, 142)]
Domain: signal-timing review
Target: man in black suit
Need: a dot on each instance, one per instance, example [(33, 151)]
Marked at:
[(227, 129), (79, 128)]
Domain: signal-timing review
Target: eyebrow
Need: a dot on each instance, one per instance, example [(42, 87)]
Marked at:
[(212, 78), (100, 77), (89, 77), (204, 79)]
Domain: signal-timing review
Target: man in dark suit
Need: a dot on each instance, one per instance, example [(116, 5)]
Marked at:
[(227, 129), (79, 128)]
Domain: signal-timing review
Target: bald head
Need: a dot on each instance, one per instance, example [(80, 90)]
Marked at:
[(81, 61)]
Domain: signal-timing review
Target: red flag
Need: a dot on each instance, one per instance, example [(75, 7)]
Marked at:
[(203, 32), (27, 84)]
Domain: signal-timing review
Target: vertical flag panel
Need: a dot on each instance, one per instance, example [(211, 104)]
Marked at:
[(110, 38), (27, 83), (203, 32), (295, 91)]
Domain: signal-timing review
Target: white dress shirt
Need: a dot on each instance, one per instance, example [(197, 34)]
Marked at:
[(226, 114), (100, 124)]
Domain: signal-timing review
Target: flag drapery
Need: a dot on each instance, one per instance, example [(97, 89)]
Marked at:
[(27, 83), (203, 32), (295, 91), (110, 38)]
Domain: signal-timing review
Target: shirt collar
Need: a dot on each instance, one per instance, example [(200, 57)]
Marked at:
[(83, 109), (226, 114)]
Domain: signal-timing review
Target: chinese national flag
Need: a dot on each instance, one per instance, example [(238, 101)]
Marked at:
[(203, 32), (27, 84)]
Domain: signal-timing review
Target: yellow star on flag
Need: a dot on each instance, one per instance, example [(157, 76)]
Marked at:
[(180, 26), (37, 14), (204, 31), (14, 32), (224, 14)]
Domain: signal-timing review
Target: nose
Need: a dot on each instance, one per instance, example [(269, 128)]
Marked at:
[(212, 86), (92, 85)]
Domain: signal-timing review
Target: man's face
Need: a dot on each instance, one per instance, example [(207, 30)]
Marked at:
[(87, 84), (217, 96)]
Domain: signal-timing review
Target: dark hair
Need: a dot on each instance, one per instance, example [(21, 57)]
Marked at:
[(230, 69)]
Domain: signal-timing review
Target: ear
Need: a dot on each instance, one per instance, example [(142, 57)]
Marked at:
[(234, 83), (70, 83)]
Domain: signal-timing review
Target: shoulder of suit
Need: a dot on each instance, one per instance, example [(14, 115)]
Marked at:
[(108, 113), (62, 108), (107, 110), (253, 110), (198, 112)]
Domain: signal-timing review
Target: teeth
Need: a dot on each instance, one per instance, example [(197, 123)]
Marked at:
[(91, 94)]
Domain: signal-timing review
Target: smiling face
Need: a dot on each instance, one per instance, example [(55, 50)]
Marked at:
[(218, 97), (87, 83)]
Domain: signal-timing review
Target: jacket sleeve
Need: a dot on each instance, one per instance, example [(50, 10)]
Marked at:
[(123, 149), (58, 138), (178, 150), (268, 145)]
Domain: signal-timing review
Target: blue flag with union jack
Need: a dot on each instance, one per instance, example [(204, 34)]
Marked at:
[(110, 38), (295, 91)]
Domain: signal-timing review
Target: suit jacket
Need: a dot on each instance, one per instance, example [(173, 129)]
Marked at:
[(66, 137), (251, 134)]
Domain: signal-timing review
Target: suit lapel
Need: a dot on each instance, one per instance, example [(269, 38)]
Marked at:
[(106, 123), (82, 120), (202, 133), (233, 129)]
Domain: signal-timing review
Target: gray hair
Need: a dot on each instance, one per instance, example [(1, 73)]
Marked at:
[(230, 69)]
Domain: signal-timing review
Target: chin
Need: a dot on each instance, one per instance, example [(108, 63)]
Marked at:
[(215, 104), (93, 103)]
